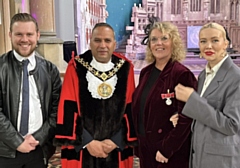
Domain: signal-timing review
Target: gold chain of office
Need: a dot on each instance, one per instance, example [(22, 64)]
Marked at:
[(101, 75)]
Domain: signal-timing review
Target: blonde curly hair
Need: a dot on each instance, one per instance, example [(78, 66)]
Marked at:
[(178, 48)]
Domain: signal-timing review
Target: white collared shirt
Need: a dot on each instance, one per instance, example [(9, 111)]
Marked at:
[(35, 111), (210, 74)]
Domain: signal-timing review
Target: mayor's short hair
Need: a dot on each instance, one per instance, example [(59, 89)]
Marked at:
[(102, 24)]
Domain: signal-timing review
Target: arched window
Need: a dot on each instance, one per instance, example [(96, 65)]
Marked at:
[(237, 11), (176, 6), (179, 6), (195, 5), (212, 6), (159, 9), (232, 11), (173, 7), (215, 6)]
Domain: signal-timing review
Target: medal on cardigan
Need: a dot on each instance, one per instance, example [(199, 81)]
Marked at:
[(168, 101), (168, 97), (104, 90)]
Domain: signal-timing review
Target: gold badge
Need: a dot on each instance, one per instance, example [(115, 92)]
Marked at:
[(104, 90)]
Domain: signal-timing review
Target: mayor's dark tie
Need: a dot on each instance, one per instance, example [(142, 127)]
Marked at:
[(25, 100)]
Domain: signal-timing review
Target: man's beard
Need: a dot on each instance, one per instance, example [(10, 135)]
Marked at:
[(24, 53)]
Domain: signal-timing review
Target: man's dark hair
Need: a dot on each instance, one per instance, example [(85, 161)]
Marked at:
[(23, 17), (102, 25)]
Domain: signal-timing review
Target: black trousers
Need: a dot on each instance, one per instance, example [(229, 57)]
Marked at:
[(33, 159)]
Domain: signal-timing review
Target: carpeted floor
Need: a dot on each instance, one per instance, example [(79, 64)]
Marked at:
[(54, 162)]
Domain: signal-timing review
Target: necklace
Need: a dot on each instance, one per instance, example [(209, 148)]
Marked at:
[(104, 89)]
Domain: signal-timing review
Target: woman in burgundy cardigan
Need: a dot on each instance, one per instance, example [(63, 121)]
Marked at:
[(161, 145)]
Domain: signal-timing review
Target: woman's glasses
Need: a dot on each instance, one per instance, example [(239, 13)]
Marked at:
[(163, 39)]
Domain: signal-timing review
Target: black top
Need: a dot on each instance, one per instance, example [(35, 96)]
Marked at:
[(152, 79)]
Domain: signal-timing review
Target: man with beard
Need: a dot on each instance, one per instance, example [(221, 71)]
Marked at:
[(29, 95)]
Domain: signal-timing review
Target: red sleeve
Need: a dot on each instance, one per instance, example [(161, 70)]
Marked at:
[(69, 106), (131, 135), (131, 85)]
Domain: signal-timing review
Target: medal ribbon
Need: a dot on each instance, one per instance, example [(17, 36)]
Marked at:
[(167, 95)]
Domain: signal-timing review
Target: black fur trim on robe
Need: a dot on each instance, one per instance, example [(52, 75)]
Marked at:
[(103, 118), (70, 154), (132, 133), (66, 129)]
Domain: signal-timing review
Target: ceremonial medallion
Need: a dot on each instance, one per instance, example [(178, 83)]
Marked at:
[(104, 90), (168, 101), (168, 97)]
